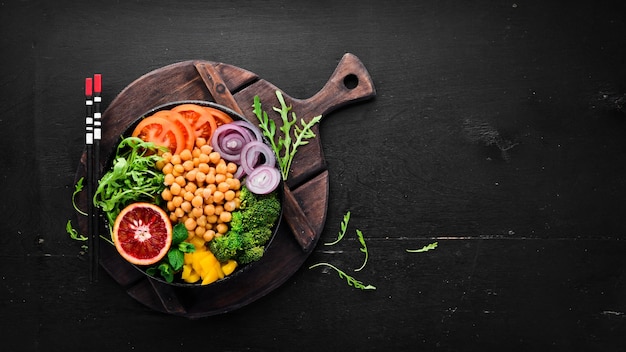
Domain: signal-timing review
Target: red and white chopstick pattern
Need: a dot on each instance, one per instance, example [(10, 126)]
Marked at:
[(93, 134)]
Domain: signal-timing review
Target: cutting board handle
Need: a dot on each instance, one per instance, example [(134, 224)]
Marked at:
[(350, 82)]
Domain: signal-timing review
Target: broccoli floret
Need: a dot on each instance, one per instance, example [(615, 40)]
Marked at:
[(256, 237), (236, 222), (246, 197), (250, 228), (261, 213), (226, 246), (250, 255)]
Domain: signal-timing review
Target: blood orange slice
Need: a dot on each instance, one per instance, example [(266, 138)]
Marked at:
[(142, 233)]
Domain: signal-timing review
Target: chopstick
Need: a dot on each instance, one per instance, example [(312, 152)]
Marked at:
[(97, 134), (89, 139)]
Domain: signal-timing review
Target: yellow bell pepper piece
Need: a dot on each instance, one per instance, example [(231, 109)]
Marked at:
[(210, 276), (229, 266)]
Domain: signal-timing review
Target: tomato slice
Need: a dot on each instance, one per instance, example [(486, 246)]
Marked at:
[(202, 123), (162, 132), (219, 116), (182, 124)]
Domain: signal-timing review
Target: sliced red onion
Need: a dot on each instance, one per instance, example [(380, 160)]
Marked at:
[(242, 143), (263, 179), (228, 140), (239, 174), (251, 156), (255, 134)]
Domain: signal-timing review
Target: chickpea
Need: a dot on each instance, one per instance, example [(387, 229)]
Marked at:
[(190, 224), (178, 170), (177, 201), (167, 169), (225, 216), (230, 206), (175, 159), (207, 149), (175, 189), (166, 195), (222, 228), (229, 195), (208, 235), (197, 201), (185, 155), (214, 157), (231, 167), (188, 165)]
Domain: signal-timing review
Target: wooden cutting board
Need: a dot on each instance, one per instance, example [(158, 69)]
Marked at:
[(307, 182)]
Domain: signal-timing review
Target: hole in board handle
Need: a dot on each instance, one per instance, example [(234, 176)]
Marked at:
[(351, 81)]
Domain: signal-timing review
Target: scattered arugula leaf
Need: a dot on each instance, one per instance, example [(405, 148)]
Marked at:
[(73, 232), (363, 249), (350, 280), (342, 232), (426, 248), (284, 147), (77, 188)]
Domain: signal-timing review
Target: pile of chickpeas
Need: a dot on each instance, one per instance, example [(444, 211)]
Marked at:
[(200, 190)]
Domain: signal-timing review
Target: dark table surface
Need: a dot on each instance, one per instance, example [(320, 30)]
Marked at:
[(497, 131)]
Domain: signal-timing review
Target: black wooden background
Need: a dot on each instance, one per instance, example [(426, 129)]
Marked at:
[(497, 130)]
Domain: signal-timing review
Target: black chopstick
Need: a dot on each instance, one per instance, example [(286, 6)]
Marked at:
[(89, 139), (97, 134)]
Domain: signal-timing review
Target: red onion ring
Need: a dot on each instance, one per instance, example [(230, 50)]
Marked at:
[(228, 140), (263, 179), (255, 134), (251, 156)]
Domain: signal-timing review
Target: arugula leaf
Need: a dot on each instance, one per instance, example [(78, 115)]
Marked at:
[(342, 232), (426, 248), (283, 146), (77, 188), (363, 249), (73, 232), (132, 178), (349, 279)]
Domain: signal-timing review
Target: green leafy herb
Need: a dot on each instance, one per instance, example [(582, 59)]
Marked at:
[(424, 249), (175, 257), (349, 279), (342, 232), (133, 177), (363, 249), (284, 146), (77, 188), (186, 247), (179, 234), (164, 269), (73, 232)]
